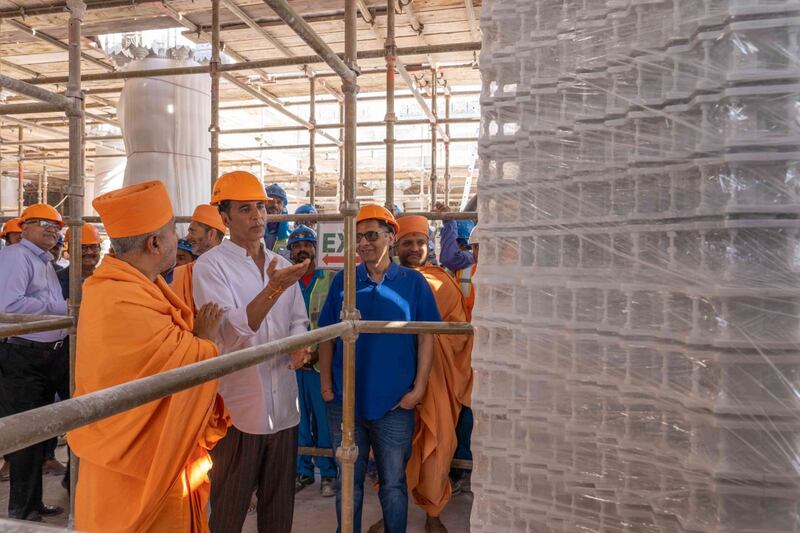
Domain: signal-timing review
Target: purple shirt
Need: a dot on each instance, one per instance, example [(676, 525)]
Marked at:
[(29, 286), (451, 257)]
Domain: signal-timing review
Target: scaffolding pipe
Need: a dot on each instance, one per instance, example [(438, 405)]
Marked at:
[(312, 141), (367, 144), (29, 109), (33, 326), (312, 39), (447, 145), (214, 66), (45, 184), (348, 451), (61, 103), (75, 190), (252, 65), (20, 173), (29, 427), (391, 117), (321, 217), (366, 124), (434, 132)]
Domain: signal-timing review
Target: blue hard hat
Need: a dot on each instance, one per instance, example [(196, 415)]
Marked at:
[(464, 227), (185, 245), (300, 234), (306, 209), (276, 191)]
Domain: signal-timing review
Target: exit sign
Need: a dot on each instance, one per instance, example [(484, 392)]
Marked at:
[(330, 245)]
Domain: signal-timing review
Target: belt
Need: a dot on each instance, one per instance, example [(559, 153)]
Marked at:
[(34, 344)]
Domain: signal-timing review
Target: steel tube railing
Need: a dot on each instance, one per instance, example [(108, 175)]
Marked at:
[(33, 326), (321, 217), (29, 427), (63, 103)]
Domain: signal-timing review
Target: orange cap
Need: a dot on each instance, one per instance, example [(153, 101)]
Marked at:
[(238, 185), (411, 224), (377, 212), (134, 210), (12, 226), (208, 215), (89, 235), (41, 211)]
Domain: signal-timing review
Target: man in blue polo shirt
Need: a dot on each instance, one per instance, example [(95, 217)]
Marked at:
[(391, 369)]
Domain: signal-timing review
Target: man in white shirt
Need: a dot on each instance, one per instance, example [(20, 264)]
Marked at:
[(262, 302)]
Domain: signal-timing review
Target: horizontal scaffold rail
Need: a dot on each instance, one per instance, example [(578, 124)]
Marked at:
[(12, 324), (321, 217), (29, 427)]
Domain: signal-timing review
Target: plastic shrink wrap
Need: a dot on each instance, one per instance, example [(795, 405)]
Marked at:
[(638, 287)]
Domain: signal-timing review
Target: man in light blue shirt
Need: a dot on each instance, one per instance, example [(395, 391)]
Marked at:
[(33, 367)]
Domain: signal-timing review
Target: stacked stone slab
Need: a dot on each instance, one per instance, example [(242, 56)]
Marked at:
[(638, 304)]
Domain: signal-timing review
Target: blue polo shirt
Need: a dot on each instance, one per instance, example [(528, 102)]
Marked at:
[(386, 364)]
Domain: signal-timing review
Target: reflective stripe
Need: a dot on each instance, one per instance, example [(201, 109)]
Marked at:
[(464, 278)]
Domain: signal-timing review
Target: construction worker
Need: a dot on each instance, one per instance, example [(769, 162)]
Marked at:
[(206, 231), (276, 234), (184, 254), (59, 261), (456, 253), (11, 232), (313, 431), (392, 369), (258, 292), (33, 367), (306, 209), (90, 256), (144, 469), (449, 384)]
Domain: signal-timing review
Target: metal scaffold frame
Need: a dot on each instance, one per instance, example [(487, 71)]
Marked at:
[(26, 428)]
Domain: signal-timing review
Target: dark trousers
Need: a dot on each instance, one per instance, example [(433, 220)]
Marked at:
[(29, 378), (464, 436), (243, 462)]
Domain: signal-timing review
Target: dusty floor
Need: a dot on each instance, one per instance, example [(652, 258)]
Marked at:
[(312, 512)]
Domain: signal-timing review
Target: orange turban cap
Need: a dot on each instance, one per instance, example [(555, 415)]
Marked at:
[(411, 224), (134, 210)]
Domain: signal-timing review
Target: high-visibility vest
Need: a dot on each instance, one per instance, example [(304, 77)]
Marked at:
[(464, 279), (318, 295)]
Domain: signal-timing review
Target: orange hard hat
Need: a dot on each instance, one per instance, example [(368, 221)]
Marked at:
[(12, 226), (238, 185), (208, 215), (89, 235), (41, 211), (377, 212)]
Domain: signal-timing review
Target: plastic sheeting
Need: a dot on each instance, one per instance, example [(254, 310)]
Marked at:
[(637, 313), (165, 122)]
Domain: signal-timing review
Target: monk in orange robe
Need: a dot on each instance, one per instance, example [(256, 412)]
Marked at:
[(449, 384), (144, 470), (206, 230)]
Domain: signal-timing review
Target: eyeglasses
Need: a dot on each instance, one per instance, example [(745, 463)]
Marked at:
[(371, 236), (45, 224)]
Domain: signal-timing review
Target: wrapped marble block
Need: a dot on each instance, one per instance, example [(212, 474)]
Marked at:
[(638, 292)]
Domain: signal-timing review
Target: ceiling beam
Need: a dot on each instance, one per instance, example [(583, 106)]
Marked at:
[(42, 36), (252, 24), (401, 69), (269, 99)]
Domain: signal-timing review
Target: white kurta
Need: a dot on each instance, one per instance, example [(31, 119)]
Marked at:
[(262, 399)]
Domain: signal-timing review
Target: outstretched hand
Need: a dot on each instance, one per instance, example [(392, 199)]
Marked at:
[(283, 278)]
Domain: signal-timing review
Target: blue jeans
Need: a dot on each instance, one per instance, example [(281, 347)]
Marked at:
[(464, 436), (390, 438), (313, 430)]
